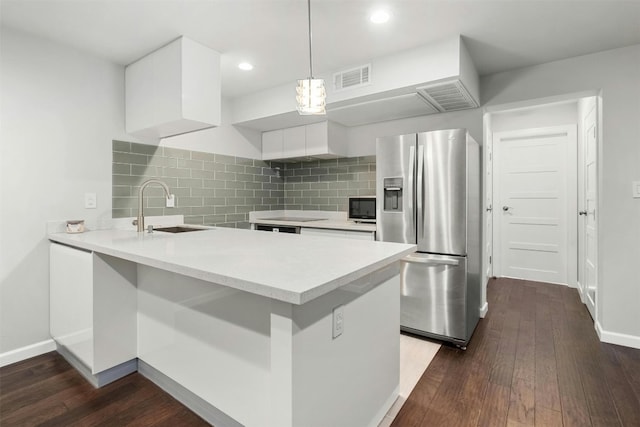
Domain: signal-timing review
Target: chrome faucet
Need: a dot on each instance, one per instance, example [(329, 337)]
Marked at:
[(144, 185)]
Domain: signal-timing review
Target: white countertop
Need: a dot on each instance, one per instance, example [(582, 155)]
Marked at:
[(288, 267)]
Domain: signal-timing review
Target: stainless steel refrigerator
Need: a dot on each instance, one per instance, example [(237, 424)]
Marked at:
[(428, 193)]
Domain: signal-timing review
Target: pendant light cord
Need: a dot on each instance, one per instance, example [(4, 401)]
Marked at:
[(310, 55)]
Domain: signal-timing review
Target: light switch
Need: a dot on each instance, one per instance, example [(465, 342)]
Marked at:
[(90, 200), (636, 189)]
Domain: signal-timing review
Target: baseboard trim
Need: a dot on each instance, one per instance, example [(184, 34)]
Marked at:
[(484, 310), (386, 407), (617, 338), (27, 352), (101, 378), (204, 409)]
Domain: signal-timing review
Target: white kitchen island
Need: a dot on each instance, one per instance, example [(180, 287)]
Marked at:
[(239, 325)]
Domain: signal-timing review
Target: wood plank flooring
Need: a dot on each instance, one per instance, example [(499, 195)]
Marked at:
[(534, 360), (47, 391)]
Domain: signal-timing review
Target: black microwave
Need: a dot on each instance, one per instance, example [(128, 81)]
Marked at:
[(362, 208)]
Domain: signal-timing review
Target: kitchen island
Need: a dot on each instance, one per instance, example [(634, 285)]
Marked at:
[(248, 328)]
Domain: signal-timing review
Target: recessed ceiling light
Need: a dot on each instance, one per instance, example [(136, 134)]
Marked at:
[(379, 16), (245, 66)]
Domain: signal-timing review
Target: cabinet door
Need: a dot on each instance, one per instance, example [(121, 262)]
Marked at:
[(316, 139), (272, 144), (71, 300), (344, 234), (321, 232), (294, 142), (173, 90), (360, 235)]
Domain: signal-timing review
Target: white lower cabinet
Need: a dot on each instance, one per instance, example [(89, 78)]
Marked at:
[(93, 319), (345, 234), (71, 300)]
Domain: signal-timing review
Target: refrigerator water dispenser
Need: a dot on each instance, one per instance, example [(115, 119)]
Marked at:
[(393, 194)]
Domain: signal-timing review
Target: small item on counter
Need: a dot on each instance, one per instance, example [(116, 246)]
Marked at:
[(75, 226)]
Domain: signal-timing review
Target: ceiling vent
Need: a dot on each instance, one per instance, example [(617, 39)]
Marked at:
[(447, 96), (354, 77)]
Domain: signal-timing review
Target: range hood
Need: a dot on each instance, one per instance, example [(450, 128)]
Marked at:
[(431, 79)]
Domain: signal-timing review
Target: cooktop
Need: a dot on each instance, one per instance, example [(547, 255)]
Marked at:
[(291, 218)]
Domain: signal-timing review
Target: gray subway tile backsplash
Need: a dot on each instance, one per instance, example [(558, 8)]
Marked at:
[(221, 190)]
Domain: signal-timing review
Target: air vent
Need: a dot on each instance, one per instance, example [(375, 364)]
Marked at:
[(354, 77), (447, 96)]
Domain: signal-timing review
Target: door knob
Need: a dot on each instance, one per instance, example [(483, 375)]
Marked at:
[(506, 208), (582, 212), (489, 208)]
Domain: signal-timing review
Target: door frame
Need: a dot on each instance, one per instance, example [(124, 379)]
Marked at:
[(487, 131), (487, 208), (571, 208)]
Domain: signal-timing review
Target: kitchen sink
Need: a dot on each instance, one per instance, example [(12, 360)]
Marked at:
[(178, 229)]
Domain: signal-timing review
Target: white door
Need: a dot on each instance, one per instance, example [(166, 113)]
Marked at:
[(534, 189), (588, 210), (488, 207)]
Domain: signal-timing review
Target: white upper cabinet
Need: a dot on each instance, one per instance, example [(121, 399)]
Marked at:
[(320, 140), (294, 141), (173, 90), (272, 144)]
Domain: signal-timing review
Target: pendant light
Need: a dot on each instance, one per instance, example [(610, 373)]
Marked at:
[(310, 93)]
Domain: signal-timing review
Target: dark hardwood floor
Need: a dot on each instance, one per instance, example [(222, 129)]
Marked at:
[(47, 391), (534, 360)]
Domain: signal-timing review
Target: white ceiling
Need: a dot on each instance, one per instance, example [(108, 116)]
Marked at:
[(272, 34)]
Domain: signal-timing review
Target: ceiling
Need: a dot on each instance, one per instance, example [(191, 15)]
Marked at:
[(272, 34)]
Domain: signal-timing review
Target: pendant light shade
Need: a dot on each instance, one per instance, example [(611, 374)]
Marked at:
[(310, 93)]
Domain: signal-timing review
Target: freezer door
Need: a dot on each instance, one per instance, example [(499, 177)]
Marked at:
[(395, 189), (442, 192), (433, 295)]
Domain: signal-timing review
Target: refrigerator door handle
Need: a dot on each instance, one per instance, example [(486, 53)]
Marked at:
[(419, 196), (432, 260), (412, 153)]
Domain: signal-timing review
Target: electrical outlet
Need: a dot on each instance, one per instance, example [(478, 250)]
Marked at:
[(171, 201), (338, 321), (636, 189), (90, 200)]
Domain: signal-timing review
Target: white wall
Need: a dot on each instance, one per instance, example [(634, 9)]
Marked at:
[(535, 117), (60, 110), (362, 139), (617, 73)]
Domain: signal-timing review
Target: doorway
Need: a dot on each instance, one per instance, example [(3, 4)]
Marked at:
[(541, 167)]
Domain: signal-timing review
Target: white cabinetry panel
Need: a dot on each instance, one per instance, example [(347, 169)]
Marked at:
[(173, 90), (71, 300), (294, 142), (319, 140), (272, 144), (345, 234), (93, 304)]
